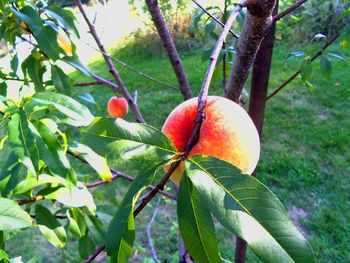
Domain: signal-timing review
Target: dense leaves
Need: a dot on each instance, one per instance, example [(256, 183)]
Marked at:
[(119, 245)]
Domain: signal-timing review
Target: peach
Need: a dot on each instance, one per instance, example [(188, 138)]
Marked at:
[(227, 133), (117, 107)]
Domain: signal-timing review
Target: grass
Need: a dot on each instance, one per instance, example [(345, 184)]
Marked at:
[(305, 156)]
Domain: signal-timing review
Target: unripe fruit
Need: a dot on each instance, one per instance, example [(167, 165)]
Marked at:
[(117, 107), (227, 133)]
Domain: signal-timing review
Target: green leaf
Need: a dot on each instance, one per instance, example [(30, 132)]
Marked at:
[(47, 42), (52, 152), (196, 224), (32, 182), (12, 216), (249, 209), (206, 54), (74, 197), (50, 227), (2, 141), (3, 255), (2, 240), (111, 130), (77, 223), (306, 69), (99, 226), (62, 82), (119, 245), (338, 55), (326, 67), (295, 54), (78, 114), (23, 142), (3, 88), (35, 70), (45, 36), (97, 162), (64, 16), (8, 175), (86, 246), (29, 15), (14, 65), (77, 64)]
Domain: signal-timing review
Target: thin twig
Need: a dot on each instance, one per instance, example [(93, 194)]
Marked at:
[(214, 18), (117, 174), (137, 71), (148, 232), (31, 200), (95, 254), (110, 65), (319, 53), (288, 10), (57, 216), (88, 83)]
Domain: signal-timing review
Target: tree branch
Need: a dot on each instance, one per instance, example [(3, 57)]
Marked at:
[(110, 65), (118, 174), (288, 10), (213, 17), (291, 78), (31, 200), (88, 83), (148, 232), (95, 254), (170, 48), (257, 22), (125, 65), (200, 111)]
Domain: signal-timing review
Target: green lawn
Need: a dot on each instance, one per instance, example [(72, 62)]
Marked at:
[(305, 155)]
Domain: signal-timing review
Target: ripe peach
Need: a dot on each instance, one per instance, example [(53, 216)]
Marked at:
[(117, 107), (227, 133)]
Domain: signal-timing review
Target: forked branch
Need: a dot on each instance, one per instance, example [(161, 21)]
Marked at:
[(288, 10), (291, 78)]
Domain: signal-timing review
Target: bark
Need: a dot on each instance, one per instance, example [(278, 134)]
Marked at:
[(241, 248), (257, 102), (260, 78), (258, 21), (170, 48)]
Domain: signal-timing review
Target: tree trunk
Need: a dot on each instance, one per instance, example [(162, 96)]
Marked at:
[(260, 78), (257, 101), (169, 46), (256, 24)]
